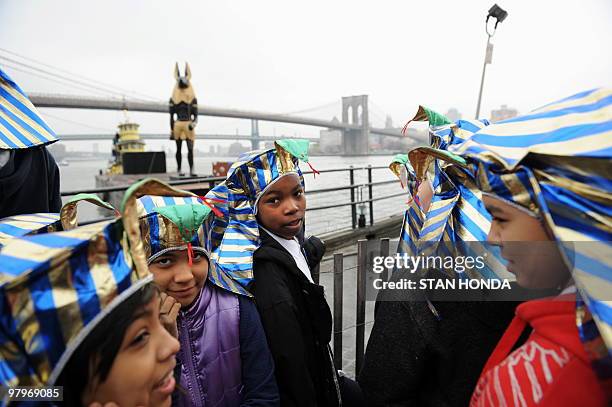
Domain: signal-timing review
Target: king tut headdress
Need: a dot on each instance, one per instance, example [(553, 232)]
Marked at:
[(30, 224), (56, 287), (235, 234), (171, 219), (171, 223), (456, 213), (556, 163), (20, 124), (35, 223)]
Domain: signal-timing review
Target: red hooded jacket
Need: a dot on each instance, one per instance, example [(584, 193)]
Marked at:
[(550, 369)]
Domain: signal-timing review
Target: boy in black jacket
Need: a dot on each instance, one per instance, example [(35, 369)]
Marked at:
[(264, 211), (293, 309)]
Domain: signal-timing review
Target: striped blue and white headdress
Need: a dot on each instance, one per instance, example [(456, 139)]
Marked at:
[(55, 288), (414, 215), (556, 163), (235, 234), (34, 223), (20, 124), (172, 219), (31, 224), (456, 213)]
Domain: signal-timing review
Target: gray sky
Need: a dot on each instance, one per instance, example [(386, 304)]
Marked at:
[(286, 56)]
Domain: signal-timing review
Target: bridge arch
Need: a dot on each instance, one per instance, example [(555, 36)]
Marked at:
[(355, 112)]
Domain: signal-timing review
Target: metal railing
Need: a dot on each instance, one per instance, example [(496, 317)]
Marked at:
[(339, 330), (356, 191)]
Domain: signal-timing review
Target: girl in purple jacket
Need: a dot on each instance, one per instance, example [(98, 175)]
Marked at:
[(224, 358)]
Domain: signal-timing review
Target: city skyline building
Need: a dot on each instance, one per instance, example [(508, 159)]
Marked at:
[(503, 113)]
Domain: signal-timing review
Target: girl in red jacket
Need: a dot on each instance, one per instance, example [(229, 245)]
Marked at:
[(545, 179)]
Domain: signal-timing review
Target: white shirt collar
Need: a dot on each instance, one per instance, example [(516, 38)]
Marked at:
[(292, 246)]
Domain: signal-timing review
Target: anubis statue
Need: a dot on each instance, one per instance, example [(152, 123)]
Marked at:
[(183, 116)]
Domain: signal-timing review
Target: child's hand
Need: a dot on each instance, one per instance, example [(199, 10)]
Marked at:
[(168, 311)]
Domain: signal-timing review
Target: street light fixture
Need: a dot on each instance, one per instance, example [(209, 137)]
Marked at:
[(499, 14)]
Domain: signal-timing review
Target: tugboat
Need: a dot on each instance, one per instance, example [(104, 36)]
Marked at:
[(126, 142), (131, 163)]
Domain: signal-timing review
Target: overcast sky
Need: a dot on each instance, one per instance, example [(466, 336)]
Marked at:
[(287, 56)]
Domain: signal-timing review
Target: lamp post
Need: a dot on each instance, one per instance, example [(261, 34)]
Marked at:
[(499, 14)]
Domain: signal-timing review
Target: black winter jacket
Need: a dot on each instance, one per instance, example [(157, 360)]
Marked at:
[(298, 324), (414, 358), (29, 183)]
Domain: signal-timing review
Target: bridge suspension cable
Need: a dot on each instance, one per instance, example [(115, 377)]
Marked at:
[(105, 87), (47, 114), (65, 78), (61, 82), (378, 109), (312, 109), (375, 115)]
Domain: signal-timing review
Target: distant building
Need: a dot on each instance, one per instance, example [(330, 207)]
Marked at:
[(503, 113), (330, 140), (389, 122), (453, 114), (237, 148), (223, 149), (375, 142)]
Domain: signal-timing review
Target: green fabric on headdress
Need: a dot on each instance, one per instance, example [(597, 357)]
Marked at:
[(396, 164), (424, 114), (187, 218), (95, 199), (400, 159), (295, 147), (422, 157), (68, 213), (435, 119)]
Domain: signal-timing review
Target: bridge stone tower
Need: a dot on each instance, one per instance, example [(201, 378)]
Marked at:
[(254, 134), (355, 111)]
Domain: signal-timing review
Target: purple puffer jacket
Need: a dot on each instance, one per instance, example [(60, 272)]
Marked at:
[(210, 350)]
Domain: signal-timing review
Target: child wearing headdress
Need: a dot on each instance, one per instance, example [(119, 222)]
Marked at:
[(224, 358), (545, 178), (29, 176), (428, 348), (36, 223), (79, 310), (264, 191)]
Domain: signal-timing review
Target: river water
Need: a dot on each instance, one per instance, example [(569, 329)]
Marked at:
[(80, 174)]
